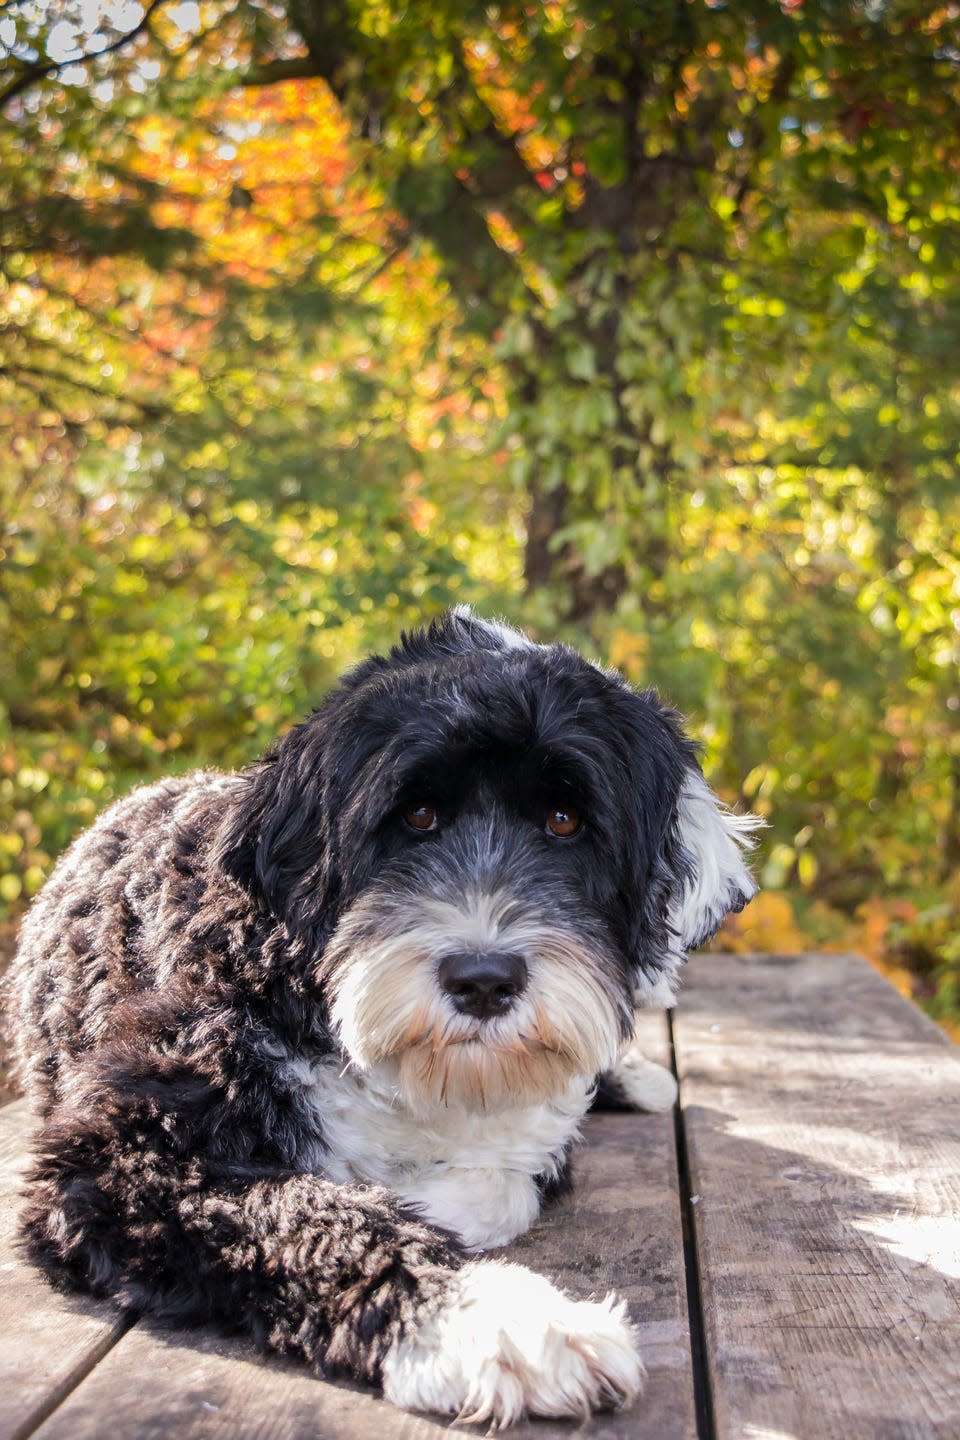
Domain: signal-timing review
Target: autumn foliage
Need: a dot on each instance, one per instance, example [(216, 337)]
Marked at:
[(638, 323)]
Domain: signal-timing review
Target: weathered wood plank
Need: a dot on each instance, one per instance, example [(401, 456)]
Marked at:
[(48, 1341), (822, 1119), (620, 1230)]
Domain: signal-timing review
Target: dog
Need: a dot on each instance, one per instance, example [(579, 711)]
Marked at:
[(308, 1038)]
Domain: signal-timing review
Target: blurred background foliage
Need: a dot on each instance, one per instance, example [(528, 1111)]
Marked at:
[(637, 321)]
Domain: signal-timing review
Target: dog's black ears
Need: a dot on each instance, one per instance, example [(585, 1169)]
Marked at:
[(273, 838), (700, 876), (693, 869)]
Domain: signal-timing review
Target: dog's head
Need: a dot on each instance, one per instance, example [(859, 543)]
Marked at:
[(494, 849)]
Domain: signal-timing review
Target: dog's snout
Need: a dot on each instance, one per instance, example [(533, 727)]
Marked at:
[(484, 983)]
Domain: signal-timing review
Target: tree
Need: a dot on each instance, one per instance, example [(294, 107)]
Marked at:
[(223, 382), (716, 247), (608, 183), (666, 295)]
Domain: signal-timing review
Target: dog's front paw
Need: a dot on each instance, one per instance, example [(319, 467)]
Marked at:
[(508, 1343), (640, 1083)]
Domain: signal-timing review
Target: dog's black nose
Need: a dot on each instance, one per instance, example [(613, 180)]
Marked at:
[(483, 983)]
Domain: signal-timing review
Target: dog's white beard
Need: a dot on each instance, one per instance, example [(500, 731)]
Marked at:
[(390, 1011)]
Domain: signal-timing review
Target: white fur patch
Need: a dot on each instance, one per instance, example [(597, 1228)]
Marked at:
[(504, 636), (485, 1206), (469, 1173), (645, 1085), (508, 1343)]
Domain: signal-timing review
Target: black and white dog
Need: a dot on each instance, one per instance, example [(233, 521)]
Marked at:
[(306, 1037)]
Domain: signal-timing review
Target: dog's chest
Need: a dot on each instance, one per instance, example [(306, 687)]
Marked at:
[(471, 1173)]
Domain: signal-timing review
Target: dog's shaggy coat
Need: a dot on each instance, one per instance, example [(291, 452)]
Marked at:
[(306, 1036)]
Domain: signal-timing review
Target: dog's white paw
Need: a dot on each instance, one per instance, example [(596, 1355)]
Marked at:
[(645, 1085), (508, 1343)]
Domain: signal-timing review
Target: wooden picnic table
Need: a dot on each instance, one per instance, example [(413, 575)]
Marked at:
[(788, 1241)]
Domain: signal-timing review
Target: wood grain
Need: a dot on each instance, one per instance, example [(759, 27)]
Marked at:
[(822, 1118), (620, 1230)]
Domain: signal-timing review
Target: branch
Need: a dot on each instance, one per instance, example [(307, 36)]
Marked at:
[(274, 72), (17, 375), (102, 322), (31, 74), (458, 227)]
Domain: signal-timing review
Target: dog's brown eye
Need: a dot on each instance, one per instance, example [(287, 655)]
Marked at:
[(421, 817), (563, 822)]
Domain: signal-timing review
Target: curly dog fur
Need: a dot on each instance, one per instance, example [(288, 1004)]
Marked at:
[(306, 1036)]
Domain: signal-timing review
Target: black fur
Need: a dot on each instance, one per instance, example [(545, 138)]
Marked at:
[(178, 950)]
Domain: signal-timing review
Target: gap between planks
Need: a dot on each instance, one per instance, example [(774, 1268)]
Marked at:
[(821, 1128), (620, 1230)]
